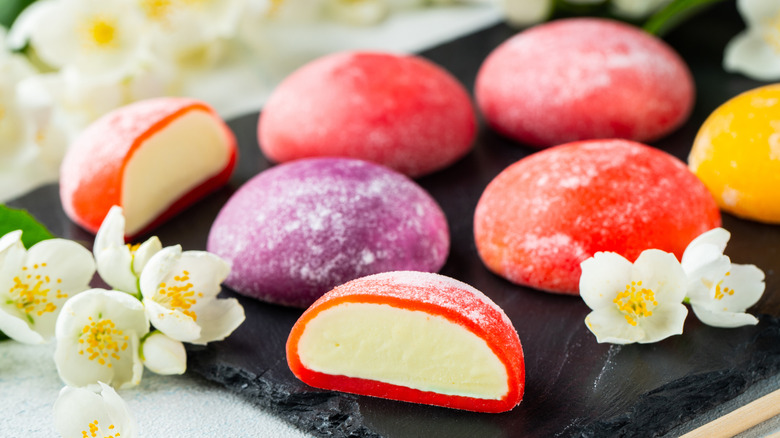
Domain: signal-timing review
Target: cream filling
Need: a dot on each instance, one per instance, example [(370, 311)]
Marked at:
[(190, 150), (402, 347)]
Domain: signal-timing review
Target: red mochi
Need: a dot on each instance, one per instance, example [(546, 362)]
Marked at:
[(153, 158), (584, 78), (407, 345), (401, 111), (542, 216)]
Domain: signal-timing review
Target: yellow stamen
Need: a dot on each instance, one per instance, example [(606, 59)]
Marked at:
[(635, 304), (101, 341), (31, 296), (94, 428), (101, 32), (179, 295)]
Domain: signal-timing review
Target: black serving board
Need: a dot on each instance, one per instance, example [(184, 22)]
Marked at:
[(575, 386)]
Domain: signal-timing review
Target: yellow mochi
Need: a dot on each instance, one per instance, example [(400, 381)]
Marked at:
[(736, 154)]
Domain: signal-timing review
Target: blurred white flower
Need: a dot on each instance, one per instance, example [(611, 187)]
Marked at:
[(163, 355), (524, 13), (98, 335), (720, 291), (180, 296), (357, 12), (80, 412), (637, 9), (756, 51), (92, 37), (639, 302), (34, 284), (120, 264)]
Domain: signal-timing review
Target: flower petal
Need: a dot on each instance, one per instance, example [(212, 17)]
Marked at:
[(78, 354), (158, 269), (114, 259), (173, 323), (63, 267), (723, 319), (758, 12), (609, 325), (219, 319), (705, 265), (603, 276), (111, 232), (164, 355), (145, 252), (749, 54), (747, 284), (77, 409), (526, 12), (667, 320), (661, 272), (17, 329)]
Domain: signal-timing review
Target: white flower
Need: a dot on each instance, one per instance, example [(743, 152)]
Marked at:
[(639, 302), (720, 291), (180, 296), (80, 412), (357, 12), (526, 12), (118, 264), (163, 355), (34, 284), (187, 31), (98, 335), (636, 9), (756, 51), (92, 37)]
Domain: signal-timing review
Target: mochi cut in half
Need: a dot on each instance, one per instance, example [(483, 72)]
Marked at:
[(410, 336), (153, 158)]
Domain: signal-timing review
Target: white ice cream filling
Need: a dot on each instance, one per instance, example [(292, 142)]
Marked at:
[(170, 163), (402, 347)]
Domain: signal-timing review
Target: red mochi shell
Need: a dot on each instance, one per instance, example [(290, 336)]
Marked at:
[(93, 169), (542, 216), (432, 294), (584, 78), (400, 111)]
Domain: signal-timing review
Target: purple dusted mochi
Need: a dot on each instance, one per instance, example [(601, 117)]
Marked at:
[(295, 231)]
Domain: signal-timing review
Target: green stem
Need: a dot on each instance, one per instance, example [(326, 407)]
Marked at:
[(674, 13)]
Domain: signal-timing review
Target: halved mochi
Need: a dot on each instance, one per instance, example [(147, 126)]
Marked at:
[(411, 336), (153, 158)]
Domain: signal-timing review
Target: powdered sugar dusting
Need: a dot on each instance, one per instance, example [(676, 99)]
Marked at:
[(601, 195), (584, 78), (297, 230)]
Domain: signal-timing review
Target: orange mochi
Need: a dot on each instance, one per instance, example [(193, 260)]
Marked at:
[(545, 214), (153, 158), (737, 154), (410, 336)]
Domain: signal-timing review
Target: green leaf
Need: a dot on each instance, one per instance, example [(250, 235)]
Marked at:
[(10, 9), (32, 231), (675, 13)]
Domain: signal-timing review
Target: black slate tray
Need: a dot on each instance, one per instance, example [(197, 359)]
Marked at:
[(575, 387)]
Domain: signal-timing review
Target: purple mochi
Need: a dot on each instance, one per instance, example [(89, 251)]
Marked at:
[(297, 230)]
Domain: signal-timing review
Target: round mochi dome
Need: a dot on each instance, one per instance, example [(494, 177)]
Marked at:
[(297, 230), (545, 214), (397, 110), (584, 78), (737, 154)]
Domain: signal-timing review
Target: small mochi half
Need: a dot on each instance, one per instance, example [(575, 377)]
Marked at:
[(410, 336), (295, 231), (584, 78), (400, 111), (545, 214), (153, 158)]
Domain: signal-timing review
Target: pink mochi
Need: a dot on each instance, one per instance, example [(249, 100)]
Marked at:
[(401, 111), (584, 78), (297, 230)]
